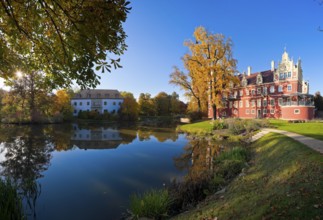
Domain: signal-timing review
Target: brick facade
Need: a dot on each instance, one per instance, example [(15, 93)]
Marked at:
[(276, 93)]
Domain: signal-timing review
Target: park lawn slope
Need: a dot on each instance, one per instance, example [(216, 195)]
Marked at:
[(310, 129), (284, 181), (198, 127)]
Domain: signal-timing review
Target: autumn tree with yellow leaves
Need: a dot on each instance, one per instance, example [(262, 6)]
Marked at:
[(210, 69)]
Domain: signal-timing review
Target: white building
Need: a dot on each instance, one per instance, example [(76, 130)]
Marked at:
[(101, 100)]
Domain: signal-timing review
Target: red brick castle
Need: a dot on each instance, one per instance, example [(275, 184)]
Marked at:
[(276, 93)]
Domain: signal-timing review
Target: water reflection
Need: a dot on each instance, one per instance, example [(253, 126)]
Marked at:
[(47, 161), (26, 153)]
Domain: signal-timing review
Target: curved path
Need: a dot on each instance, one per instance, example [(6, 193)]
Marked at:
[(315, 144)]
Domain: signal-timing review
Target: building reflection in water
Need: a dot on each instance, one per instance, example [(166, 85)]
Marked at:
[(95, 138)]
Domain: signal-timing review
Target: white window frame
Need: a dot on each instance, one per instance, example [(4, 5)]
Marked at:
[(247, 91), (253, 92), (272, 111), (258, 91), (280, 88), (272, 89), (241, 92), (264, 103), (272, 100), (252, 111), (235, 111), (297, 111), (280, 101), (258, 102), (289, 87), (247, 111), (240, 104), (253, 103), (264, 111), (265, 90)]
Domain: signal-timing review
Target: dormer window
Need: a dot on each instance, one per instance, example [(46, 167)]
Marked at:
[(244, 82), (259, 79)]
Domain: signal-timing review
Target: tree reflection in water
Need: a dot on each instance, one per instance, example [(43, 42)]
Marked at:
[(27, 153), (197, 160)]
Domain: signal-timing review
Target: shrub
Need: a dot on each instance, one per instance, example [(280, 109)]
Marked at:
[(10, 202), (235, 126), (219, 124), (194, 116), (152, 204)]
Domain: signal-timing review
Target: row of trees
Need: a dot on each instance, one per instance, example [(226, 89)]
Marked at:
[(162, 104)]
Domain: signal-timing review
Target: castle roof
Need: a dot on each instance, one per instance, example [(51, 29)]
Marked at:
[(267, 77)]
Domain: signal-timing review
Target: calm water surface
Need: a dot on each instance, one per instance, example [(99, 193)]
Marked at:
[(88, 172)]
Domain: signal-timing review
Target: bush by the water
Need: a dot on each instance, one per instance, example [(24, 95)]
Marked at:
[(152, 204), (10, 202)]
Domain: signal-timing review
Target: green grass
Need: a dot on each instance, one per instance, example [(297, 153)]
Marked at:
[(310, 129), (10, 202), (199, 127), (152, 204), (284, 181)]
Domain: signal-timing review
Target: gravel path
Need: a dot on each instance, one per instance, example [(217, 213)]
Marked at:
[(308, 141)]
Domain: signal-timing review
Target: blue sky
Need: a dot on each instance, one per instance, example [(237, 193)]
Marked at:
[(259, 29)]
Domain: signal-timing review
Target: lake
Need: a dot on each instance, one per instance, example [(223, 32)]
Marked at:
[(74, 171)]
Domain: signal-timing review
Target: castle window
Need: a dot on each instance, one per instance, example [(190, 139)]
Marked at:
[(265, 111), (75, 103), (297, 111), (105, 103), (280, 88), (247, 111), (272, 111), (258, 90), (88, 103), (253, 103), (280, 101), (272, 102), (253, 111), (265, 90), (259, 79), (240, 104), (247, 91), (114, 103), (259, 102), (253, 92), (80, 103), (289, 88), (265, 103), (241, 92), (247, 103), (289, 75), (272, 89)]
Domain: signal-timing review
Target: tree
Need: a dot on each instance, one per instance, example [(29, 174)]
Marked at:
[(28, 98), (162, 104), (64, 39), (62, 103), (129, 109), (184, 81), (146, 105), (318, 101), (210, 65)]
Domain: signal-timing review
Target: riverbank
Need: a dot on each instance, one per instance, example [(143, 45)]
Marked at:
[(284, 180)]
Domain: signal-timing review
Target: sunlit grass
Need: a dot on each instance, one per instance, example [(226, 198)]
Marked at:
[(199, 127), (284, 182), (310, 129)]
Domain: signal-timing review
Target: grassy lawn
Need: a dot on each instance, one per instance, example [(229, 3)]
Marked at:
[(199, 127), (284, 181), (311, 129)]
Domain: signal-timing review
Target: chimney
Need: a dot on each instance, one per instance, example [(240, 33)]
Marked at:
[(272, 66), (249, 70)]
